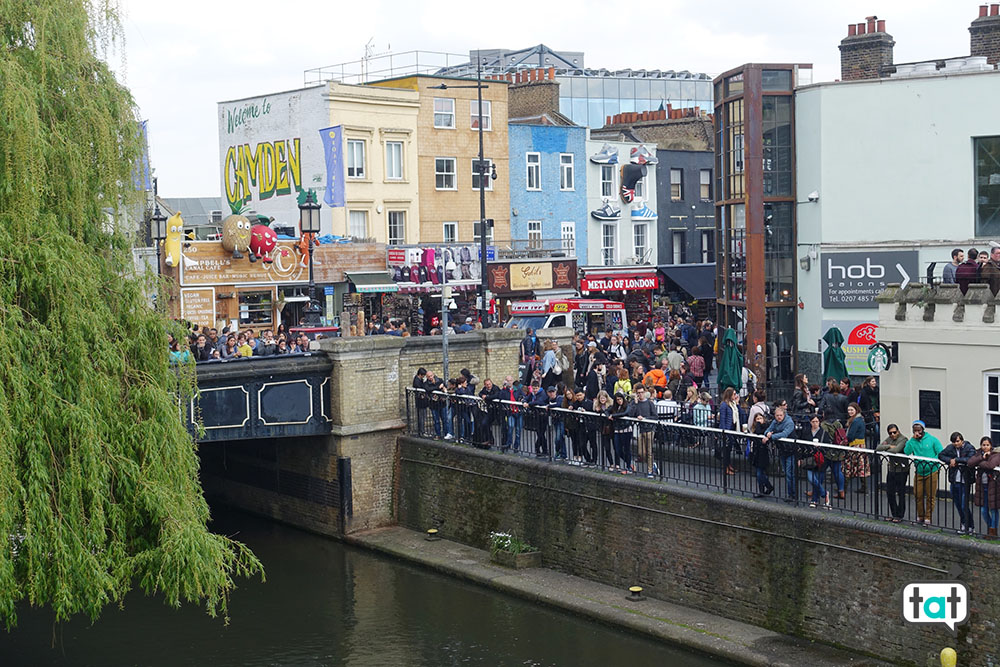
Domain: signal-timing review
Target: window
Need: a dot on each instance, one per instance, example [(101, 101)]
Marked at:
[(397, 227), (355, 158), (993, 406), (676, 185), (608, 245), (640, 188), (487, 115), (256, 308), (475, 232), (639, 242), (357, 224), (707, 246), (987, 152), (705, 191), (566, 171), (394, 160), (534, 233), (444, 173), (216, 216), (444, 113), (488, 183), (607, 180), (568, 234), (451, 232), (678, 242), (534, 180)]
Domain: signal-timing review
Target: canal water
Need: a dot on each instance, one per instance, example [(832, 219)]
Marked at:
[(325, 603)]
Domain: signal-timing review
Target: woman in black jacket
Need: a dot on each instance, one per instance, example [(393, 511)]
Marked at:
[(760, 456), (814, 463), (622, 434)]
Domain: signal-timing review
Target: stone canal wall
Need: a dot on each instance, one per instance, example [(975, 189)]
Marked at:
[(816, 575)]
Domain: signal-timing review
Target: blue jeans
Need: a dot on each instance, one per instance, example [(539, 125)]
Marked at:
[(816, 479), (623, 448), (837, 470), (465, 423), (515, 424), (990, 515), (960, 496), (559, 428), (762, 480), (788, 464), (442, 420)]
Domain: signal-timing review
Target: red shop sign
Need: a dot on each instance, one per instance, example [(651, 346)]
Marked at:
[(619, 283)]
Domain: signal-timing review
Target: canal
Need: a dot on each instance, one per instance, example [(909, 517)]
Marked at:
[(325, 603)]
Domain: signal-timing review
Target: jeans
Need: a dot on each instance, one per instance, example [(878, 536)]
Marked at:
[(421, 419), (788, 464), (763, 483), (623, 448), (816, 479), (960, 496), (515, 424), (925, 490), (559, 429), (990, 514), (837, 471), (895, 489), (442, 420)]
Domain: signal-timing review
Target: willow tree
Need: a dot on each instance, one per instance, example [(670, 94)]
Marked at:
[(99, 488)]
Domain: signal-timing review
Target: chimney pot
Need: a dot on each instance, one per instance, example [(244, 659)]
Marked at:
[(880, 25), (983, 10), (871, 24), (852, 30), (994, 10), (552, 74), (861, 28)]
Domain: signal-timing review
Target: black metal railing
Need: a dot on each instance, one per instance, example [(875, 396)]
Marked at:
[(684, 446)]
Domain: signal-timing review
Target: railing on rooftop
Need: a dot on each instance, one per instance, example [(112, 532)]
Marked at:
[(385, 66), (535, 248), (685, 447)]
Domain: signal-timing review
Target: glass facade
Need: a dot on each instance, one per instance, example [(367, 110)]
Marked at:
[(987, 152), (589, 100)]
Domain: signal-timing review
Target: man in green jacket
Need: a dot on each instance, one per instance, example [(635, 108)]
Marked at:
[(925, 479)]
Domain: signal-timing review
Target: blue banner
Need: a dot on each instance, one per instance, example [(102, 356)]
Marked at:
[(141, 176), (333, 150)]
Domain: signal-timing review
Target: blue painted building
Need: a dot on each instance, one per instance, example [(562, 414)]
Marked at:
[(548, 184)]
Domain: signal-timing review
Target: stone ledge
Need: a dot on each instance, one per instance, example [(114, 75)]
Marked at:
[(367, 427)]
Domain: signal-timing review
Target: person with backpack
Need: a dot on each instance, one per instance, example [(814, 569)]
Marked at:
[(814, 463), (837, 435)]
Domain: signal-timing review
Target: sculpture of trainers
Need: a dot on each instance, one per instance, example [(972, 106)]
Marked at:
[(607, 212), (607, 155), (642, 155), (644, 213)]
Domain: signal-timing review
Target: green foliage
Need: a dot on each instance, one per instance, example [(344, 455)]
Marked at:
[(99, 486), (508, 542)]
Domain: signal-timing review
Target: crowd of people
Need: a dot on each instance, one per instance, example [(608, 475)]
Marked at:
[(206, 344), (606, 403), (975, 267)]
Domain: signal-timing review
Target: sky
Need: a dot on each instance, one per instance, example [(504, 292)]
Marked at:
[(181, 58)]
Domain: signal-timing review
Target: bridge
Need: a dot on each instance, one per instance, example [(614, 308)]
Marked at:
[(262, 397)]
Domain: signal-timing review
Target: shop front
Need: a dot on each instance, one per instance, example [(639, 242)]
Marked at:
[(634, 286), (420, 274), (530, 279)]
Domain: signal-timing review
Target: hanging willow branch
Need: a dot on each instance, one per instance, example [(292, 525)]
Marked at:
[(99, 486)]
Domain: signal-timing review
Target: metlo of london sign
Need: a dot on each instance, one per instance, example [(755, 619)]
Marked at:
[(853, 279)]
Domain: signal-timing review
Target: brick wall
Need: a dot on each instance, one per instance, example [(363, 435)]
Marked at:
[(985, 38), (820, 576), (532, 99), (862, 55)]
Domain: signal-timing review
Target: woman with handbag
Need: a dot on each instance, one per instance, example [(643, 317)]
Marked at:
[(729, 420), (985, 462), (856, 465), (814, 463)]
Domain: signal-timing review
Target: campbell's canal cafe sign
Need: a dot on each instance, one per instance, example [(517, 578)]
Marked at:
[(633, 285)]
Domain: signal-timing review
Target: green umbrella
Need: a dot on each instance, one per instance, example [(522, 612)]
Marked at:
[(834, 365), (730, 362)]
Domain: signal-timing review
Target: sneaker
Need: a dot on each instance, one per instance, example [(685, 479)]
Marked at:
[(449, 436), (650, 477), (644, 213), (656, 469), (641, 155), (607, 212), (812, 504), (607, 155)]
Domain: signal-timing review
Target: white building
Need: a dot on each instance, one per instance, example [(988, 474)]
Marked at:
[(892, 174)]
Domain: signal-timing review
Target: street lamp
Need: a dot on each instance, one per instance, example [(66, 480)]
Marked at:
[(157, 226), (484, 172), (309, 219)]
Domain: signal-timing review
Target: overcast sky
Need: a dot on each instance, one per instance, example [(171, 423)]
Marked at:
[(182, 57)]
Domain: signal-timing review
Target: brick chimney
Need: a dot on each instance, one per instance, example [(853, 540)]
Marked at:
[(866, 48), (536, 93), (985, 33)]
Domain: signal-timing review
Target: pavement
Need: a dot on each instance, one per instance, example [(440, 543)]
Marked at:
[(684, 627)]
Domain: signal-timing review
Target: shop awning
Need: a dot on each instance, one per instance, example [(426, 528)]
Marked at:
[(698, 280), (429, 288), (368, 282)]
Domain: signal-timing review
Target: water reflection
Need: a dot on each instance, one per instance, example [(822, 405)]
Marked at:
[(328, 604)]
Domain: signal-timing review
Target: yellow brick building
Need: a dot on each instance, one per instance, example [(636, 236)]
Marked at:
[(447, 145)]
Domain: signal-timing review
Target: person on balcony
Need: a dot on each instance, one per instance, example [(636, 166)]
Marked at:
[(897, 472), (925, 482), (985, 462)]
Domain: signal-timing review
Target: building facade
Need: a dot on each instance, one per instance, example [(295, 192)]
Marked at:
[(354, 145), (447, 153)]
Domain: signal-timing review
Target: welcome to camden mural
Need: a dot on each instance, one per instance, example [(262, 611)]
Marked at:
[(271, 148)]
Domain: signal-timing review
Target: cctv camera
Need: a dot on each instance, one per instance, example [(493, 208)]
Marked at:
[(814, 196)]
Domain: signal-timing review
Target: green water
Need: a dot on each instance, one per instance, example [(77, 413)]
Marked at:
[(325, 603)]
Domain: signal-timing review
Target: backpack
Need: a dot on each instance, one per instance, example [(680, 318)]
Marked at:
[(840, 436)]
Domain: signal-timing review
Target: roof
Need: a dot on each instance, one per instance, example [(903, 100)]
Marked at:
[(194, 210), (547, 118)]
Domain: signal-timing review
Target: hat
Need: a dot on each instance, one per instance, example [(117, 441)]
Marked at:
[(919, 422), (551, 387), (591, 344), (468, 319)]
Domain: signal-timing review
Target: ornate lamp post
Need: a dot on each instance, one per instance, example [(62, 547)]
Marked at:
[(157, 229), (309, 219)]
